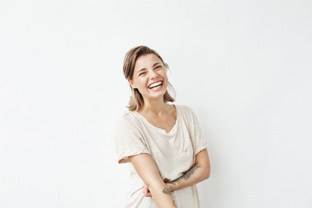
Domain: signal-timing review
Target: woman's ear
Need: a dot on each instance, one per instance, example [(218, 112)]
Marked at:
[(131, 83)]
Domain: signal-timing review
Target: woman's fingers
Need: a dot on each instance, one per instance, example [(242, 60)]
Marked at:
[(146, 192)]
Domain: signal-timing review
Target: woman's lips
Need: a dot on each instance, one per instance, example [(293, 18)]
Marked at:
[(155, 84)]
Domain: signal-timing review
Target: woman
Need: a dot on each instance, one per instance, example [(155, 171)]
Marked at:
[(162, 141)]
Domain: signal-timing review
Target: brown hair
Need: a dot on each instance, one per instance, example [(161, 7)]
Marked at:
[(136, 100)]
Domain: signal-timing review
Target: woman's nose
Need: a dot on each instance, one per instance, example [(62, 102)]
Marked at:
[(153, 74)]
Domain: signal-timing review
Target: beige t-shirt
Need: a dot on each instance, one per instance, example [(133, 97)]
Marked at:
[(174, 153)]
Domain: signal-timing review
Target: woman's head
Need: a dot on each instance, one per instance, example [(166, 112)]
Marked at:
[(146, 72)]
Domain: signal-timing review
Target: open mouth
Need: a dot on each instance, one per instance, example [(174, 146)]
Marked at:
[(155, 85)]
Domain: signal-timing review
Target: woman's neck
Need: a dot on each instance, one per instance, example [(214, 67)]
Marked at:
[(155, 107)]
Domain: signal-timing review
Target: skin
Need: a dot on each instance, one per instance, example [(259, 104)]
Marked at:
[(149, 69), (199, 172)]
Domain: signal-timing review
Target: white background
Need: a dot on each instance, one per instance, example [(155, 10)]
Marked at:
[(243, 66)]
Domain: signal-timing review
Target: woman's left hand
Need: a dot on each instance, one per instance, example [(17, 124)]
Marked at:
[(146, 191)]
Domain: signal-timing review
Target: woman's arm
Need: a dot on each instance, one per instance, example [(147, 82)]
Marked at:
[(199, 172), (147, 170)]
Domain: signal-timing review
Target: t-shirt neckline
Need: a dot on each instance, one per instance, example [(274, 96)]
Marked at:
[(160, 130)]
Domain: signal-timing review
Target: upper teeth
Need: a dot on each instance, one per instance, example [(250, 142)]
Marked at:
[(155, 84)]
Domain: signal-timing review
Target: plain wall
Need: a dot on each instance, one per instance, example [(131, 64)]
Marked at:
[(243, 66)]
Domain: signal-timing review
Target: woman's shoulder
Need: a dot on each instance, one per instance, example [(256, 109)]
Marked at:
[(127, 119), (184, 109)]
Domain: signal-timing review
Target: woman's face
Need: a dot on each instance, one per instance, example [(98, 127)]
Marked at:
[(150, 77)]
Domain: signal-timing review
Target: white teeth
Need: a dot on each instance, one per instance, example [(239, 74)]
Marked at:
[(155, 84)]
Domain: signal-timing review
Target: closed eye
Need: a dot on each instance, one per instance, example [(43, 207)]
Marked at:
[(142, 73), (158, 67)]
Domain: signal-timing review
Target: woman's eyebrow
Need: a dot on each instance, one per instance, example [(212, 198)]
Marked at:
[(145, 68), (141, 70), (156, 64)]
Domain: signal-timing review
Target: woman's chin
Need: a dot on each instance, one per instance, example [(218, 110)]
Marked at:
[(155, 95)]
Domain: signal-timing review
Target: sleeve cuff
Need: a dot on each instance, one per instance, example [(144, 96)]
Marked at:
[(124, 157)]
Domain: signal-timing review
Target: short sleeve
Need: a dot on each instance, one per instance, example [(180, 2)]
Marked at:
[(199, 141), (128, 140)]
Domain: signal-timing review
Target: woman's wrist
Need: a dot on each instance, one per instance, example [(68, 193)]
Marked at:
[(170, 187)]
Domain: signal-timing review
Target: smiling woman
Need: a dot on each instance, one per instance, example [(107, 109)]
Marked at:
[(150, 77), (134, 68), (162, 141)]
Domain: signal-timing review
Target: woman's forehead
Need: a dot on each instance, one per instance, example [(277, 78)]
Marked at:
[(146, 61)]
